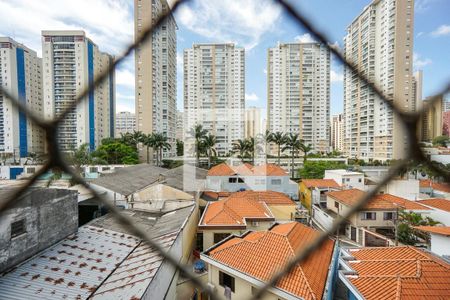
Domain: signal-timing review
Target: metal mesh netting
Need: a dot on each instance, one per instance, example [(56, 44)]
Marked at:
[(56, 159)]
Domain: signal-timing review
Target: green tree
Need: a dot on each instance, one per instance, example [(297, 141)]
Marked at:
[(406, 233), (148, 140), (293, 143), (279, 139), (198, 133), (305, 149), (441, 141), (180, 148), (240, 146), (116, 152), (316, 169), (208, 146), (132, 139), (160, 144)]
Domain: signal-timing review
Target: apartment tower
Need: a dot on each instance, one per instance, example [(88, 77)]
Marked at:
[(214, 91), (298, 83), (155, 67), (336, 133), (380, 42), (125, 123), (20, 75), (71, 61)]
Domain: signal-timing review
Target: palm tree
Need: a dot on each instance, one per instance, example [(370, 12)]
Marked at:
[(149, 141), (279, 139), (161, 144), (305, 149), (293, 143), (208, 145), (132, 139), (198, 133), (241, 147)]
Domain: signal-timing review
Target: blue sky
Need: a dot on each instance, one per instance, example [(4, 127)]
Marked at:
[(255, 25)]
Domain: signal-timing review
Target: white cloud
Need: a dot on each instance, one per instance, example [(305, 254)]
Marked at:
[(419, 34), (422, 5), (336, 77), (304, 38), (441, 30), (244, 22), (265, 71), (125, 78), (251, 97), (419, 62), (124, 107)]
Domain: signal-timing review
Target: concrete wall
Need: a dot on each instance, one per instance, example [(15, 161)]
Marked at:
[(349, 180), (440, 244), (322, 218), (50, 215), (283, 212), (189, 233)]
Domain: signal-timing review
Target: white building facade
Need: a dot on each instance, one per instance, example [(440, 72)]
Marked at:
[(253, 122), (20, 75), (380, 42), (125, 123), (156, 71), (71, 61), (336, 133), (214, 91), (298, 83)]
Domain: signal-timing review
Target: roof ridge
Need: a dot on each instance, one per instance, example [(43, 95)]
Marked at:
[(311, 292), (398, 293)]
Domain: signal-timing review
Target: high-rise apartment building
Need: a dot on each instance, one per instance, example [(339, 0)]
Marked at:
[(20, 75), (336, 133), (125, 123), (180, 125), (71, 61), (298, 83), (214, 91), (253, 122), (380, 42), (432, 119), (416, 95), (155, 67)]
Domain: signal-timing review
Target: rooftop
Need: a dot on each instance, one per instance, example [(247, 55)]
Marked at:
[(442, 230), (260, 254), (352, 196), (399, 273), (344, 172), (246, 169), (440, 186), (442, 204), (320, 183), (100, 261)]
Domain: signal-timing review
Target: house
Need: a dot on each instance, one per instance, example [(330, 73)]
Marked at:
[(440, 209), (439, 239), (247, 261), (33, 222), (377, 216), (242, 211), (392, 273), (267, 177), (312, 191), (346, 178), (122, 186), (435, 189), (102, 260), (405, 188)]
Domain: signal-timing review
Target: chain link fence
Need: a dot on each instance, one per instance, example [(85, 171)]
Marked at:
[(56, 160)]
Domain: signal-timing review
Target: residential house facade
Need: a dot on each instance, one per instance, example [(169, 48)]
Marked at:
[(313, 191)]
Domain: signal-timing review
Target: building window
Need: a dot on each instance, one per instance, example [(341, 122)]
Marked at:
[(336, 204), (389, 216), (18, 228), (232, 180), (276, 181), (226, 280), (368, 216), (240, 180), (359, 180), (220, 236)]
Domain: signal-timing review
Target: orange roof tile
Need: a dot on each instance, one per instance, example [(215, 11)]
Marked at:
[(442, 204), (443, 230), (404, 203), (246, 169), (269, 197), (262, 254), (440, 186), (399, 273), (352, 196), (216, 195), (320, 183)]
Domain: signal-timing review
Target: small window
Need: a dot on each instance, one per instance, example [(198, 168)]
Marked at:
[(240, 180), (226, 280), (276, 181), (220, 236), (368, 216), (31, 170), (347, 179), (389, 216), (359, 180), (18, 228), (232, 180), (336, 204)]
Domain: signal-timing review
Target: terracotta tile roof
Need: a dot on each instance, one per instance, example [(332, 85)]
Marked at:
[(351, 196), (443, 230), (404, 203), (440, 186), (233, 211), (246, 169), (216, 195), (320, 183), (442, 204), (260, 254), (399, 273), (269, 197)]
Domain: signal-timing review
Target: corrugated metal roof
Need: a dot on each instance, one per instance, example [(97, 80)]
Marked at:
[(72, 269)]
